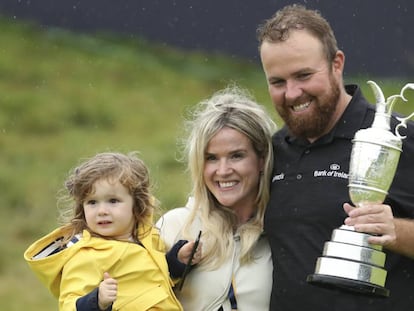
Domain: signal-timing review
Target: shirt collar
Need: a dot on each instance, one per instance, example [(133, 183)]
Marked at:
[(354, 115)]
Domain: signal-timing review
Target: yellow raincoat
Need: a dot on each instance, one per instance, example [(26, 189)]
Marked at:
[(141, 271)]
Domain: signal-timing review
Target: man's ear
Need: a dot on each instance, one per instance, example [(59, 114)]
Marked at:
[(338, 62)]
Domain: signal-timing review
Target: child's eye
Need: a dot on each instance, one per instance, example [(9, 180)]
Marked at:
[(113, 200), (91, 202)]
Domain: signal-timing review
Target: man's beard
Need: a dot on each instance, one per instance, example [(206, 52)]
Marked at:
[(314, 124)]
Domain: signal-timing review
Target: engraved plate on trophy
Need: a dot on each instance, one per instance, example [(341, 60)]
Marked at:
[(348, 260)]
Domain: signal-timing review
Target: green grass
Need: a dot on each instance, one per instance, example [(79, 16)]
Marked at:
[(65, 96)]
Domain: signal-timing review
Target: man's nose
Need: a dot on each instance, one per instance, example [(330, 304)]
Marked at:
[(293, 90)]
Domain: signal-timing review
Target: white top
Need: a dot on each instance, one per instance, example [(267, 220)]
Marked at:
[(208, 290)]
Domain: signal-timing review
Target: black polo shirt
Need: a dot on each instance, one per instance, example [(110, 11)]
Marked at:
[(309, 186)]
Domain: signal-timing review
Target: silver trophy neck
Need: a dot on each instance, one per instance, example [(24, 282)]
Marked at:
[(382, 121)]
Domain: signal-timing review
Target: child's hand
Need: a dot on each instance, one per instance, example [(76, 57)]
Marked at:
[(107, 291), (185, 252)]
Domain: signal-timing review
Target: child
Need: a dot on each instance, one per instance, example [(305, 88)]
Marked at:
[(107, 255)]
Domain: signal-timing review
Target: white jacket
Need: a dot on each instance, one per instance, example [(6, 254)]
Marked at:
[(208, 290)]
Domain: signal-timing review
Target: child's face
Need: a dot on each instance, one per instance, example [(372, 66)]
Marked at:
[(108, 210)]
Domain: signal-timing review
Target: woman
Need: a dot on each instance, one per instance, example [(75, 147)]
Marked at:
[(229, 155)]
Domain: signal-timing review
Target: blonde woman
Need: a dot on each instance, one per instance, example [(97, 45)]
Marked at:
[(229, 155)]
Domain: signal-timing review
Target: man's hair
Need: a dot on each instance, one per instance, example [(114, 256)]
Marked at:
[(297, 17)]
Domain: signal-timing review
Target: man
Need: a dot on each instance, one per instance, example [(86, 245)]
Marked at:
[(304, 68)]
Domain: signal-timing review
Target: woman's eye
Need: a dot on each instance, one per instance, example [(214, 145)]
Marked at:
[(277, 82), (237, 156), (210, 157)]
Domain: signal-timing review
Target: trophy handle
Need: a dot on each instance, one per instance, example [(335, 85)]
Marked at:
[(386, 106), (407, 86), (403, 121)]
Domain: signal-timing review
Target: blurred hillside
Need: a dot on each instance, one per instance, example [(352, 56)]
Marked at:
[(67, 96), (376, 35)]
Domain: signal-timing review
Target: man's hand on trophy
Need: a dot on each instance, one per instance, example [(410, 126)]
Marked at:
[(372, 218)]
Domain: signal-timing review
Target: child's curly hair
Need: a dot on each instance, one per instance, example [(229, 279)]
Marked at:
[(128, 169)]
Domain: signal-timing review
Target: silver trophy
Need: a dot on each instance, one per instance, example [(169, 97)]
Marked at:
[(348, 260)]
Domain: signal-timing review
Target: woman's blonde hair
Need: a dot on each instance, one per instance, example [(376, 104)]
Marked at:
[(128, 169), (233, 108)]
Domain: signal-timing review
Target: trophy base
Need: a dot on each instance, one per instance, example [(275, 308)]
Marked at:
[(354, 286), (351, 263)]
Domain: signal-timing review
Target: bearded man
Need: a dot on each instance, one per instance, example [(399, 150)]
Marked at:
[(309, 191)]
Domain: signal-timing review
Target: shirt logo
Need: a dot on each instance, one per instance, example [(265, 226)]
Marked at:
[(277, 177), (334, 167), (334, 171)]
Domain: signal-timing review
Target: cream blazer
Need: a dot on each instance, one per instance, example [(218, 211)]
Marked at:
[(208, 290)]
